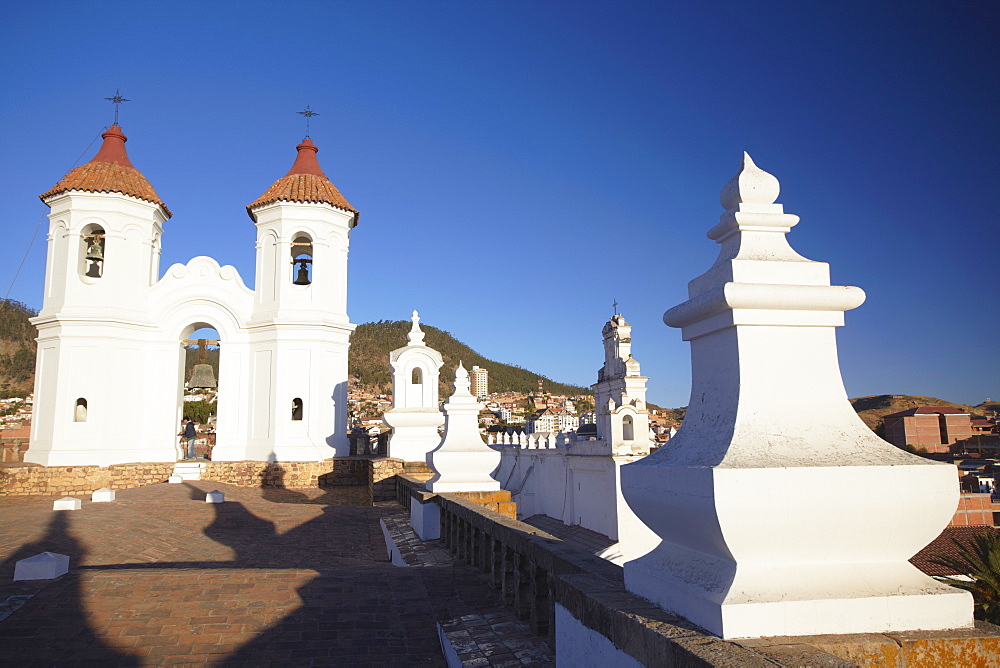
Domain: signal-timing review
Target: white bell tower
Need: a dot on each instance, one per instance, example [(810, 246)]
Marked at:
[(299, 330), (105, 225)]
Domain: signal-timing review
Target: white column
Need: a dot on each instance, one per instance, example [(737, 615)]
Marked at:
[(463, 462), (780, 512)]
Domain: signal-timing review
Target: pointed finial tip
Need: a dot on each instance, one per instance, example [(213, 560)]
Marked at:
[(750, 185), (416, 335)]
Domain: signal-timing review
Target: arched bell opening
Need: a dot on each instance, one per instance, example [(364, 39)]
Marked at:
[(628, 428), (199, 391), (80, 410), (415, 388), (93, 244), (302, 257), (296, 409)]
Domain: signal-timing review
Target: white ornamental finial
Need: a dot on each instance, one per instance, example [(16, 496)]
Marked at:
[(462, 383), (751, 185), (416, 335)]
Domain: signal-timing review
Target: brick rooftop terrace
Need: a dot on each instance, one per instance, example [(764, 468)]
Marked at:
[(271, 577)]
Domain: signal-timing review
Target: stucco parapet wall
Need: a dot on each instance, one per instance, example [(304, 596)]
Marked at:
[(593, 590), (544, 549), (645, 632)]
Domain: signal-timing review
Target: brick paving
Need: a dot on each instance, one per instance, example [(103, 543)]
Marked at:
[(271, 577)]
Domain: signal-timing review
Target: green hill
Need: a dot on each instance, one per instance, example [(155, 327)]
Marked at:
[(17, 349), (368, 360), (373, 341)]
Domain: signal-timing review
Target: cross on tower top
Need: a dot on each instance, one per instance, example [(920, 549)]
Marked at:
[(308, 113), (117, 99), (614, 305)]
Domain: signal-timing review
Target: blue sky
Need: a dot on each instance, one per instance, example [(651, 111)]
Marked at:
[(519, 165)]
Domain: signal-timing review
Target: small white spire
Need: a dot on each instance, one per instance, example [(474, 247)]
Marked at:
[(462, 383), (416, 335), (750, 185)]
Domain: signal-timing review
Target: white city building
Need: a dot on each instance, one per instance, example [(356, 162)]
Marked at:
[(109, 373)]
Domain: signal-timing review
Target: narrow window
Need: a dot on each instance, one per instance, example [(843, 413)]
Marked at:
[(80, 411), (296, 409), (302, 252), (417, 377), (92, 246), (628, 432)]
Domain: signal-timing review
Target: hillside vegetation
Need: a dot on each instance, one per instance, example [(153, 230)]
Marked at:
[(17, 349), (372, 342)]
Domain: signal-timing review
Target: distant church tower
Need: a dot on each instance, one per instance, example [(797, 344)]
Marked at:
[(109, 374), (620, 392)]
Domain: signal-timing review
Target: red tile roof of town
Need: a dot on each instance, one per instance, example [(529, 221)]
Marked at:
[(945, 545), (304, 182), (110, 171), (929, 410)]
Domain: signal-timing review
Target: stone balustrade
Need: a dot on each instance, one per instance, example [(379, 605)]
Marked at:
[(537, 441)]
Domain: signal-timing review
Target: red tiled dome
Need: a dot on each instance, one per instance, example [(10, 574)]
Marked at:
[(304, 182), (110, 171)]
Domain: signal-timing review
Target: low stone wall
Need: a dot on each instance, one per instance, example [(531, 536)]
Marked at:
[(20, 479), (383, 477), (376, 475), (534, 572), (293, 475)]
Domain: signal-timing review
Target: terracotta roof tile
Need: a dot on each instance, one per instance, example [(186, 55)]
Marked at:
[(110, 171), (304, 182), (944, 544)]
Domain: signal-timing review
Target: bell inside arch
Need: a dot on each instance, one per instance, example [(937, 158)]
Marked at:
[(302, 277), (95, 248), (203, 376)]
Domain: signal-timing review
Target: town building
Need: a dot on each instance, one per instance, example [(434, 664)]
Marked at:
[(480, 379), (935, 429)]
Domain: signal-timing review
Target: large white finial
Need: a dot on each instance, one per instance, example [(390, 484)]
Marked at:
[(416, 335), (750, 185)]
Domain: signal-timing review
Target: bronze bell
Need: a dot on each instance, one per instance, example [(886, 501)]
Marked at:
[(95, 249), (302, 278), (202, 376)]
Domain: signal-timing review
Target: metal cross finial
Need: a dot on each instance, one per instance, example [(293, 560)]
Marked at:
[(615, 305), (308, 113), (117, 100)]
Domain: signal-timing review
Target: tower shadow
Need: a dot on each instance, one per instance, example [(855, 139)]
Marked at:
[(51, 628), (356, 609)]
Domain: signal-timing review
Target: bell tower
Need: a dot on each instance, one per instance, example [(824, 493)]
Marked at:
[(299, 330), (620, 393), (105, 224)]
